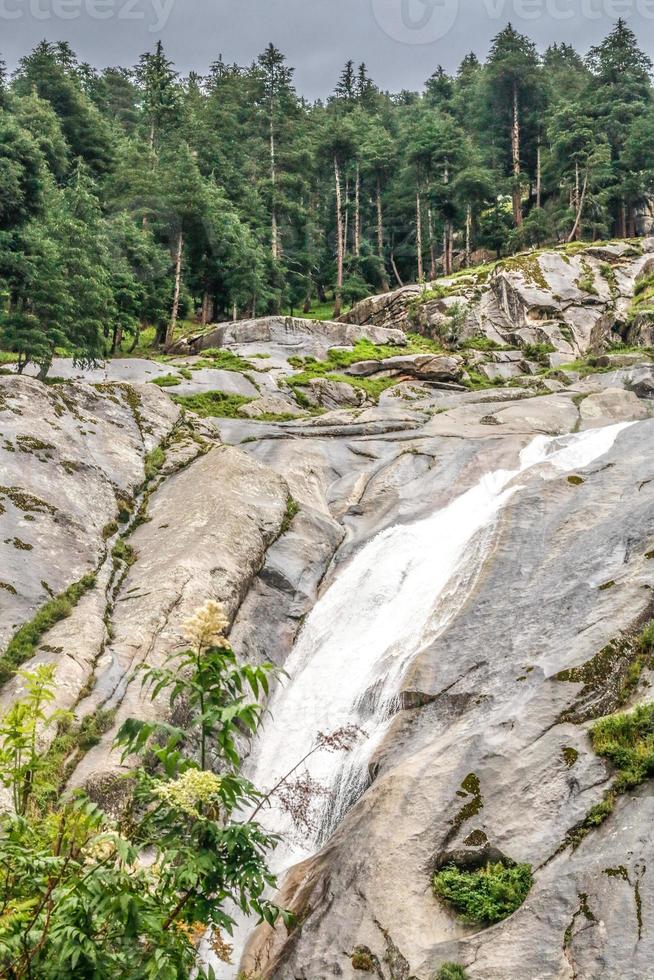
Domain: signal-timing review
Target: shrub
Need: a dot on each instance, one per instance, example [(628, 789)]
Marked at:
[(627, 740), (451, 971), (484, 895)]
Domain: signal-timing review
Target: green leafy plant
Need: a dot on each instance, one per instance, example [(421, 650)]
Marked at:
[(484, 895), (76, 896), (451, 971)]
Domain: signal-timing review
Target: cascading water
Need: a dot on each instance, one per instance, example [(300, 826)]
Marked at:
[(393, 598)]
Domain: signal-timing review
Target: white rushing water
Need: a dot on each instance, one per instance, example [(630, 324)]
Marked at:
[(395, 596)]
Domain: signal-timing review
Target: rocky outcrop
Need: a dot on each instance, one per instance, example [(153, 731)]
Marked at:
[(299, 336), (575, 299), (72, 459), (324, 393), (422, 367), (155, 513)]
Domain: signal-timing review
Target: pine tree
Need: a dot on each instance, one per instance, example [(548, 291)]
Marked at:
[(50, 70), (513, 93), (158, 81), (276, 79), (621, 94)]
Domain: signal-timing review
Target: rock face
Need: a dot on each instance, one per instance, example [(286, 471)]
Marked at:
[(573, 299), (486, 748), (72, 459)]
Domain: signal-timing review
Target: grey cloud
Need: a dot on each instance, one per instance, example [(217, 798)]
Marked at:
[(401, 41)]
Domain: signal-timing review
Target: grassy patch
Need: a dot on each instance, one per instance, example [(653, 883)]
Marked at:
[(122, 551), (213, 404), (153, 462), (292, 507), (627, 741), (24, 643), (166, 381), (484, 895), (221, 359)]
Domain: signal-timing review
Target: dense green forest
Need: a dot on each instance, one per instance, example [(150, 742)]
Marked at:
[(134, 198)]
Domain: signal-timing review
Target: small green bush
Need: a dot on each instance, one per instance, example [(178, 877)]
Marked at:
[(627, 740), (451, 971), (484, 895)]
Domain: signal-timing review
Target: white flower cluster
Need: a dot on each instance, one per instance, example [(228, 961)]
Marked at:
[(192, 789), (207, 626)]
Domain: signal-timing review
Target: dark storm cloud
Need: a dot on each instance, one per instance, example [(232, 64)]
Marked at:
[(402, 41)]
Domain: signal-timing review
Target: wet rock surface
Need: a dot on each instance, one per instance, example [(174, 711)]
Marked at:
[(264, 514)]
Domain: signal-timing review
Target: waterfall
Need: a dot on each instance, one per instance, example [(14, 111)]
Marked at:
[(394, 597)]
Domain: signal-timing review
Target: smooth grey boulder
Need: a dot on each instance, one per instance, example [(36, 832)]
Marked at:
[(294, 333)]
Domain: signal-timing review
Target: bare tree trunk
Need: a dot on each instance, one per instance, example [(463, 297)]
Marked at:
[(357, 213), (515, 146), (580, 209), (419, 234), (446, 234), (622, 221), (539, 175), (396, 273), (170, 332), (346, 216), (207, 308), (234, 312), (274, 234), (380, 237), (338, 298), (468, 233), (432, 251), (450, 248), (631, 226)]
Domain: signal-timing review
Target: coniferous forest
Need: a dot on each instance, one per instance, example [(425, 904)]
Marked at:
[(132, 199)]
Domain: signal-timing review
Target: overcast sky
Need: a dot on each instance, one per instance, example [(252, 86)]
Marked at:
[(401, 41)]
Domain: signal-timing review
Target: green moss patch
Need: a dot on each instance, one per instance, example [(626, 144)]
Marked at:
[(626, 740), (612, 675), (484, 895), (470, 787), (27, 502), (153, 462)]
